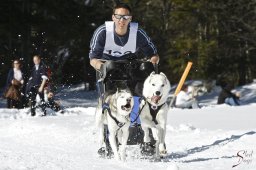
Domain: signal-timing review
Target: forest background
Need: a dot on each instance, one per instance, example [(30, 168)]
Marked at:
[(218, 36)]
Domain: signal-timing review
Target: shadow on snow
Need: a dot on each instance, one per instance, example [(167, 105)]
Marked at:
[(206, 147)]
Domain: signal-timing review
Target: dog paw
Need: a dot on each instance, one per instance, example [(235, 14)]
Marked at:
[(162, 149), (147, 149), (163, 153)]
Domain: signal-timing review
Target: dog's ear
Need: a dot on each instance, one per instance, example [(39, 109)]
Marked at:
[(163, 74), (165, 78), (152, 73), (117, 91), (127, 90)]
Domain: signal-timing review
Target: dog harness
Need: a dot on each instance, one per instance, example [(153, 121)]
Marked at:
[(111, 48), (153, 111)]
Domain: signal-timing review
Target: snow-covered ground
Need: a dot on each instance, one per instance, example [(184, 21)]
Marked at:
[(215, 137)]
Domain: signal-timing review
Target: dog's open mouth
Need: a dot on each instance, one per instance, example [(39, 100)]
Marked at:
[(126, 107), (155, 99)]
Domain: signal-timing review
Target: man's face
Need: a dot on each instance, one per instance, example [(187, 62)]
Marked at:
[(36, 60), (122, 18)]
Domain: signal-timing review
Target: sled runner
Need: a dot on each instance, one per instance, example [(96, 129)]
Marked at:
[(125, 74)]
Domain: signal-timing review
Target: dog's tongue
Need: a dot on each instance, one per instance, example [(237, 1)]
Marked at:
[(155, 99)]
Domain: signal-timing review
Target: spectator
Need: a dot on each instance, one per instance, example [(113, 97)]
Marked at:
[(227, 97), (36, 84), (51, 102), (184, 100), (14, 85)]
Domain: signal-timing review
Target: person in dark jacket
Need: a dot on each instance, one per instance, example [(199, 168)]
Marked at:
[(14, 85), (227, 97), (36, 84), (117, 40)]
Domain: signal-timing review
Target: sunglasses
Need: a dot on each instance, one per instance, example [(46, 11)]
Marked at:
[(125, 17)]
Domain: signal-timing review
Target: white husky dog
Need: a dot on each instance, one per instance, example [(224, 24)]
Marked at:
[(115, 114), (154, 110)]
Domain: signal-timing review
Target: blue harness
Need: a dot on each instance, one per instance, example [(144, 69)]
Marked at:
[(134, 115)]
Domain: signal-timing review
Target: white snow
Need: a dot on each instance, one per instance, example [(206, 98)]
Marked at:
[(201, 139)]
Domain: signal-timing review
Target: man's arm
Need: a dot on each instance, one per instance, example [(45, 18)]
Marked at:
[(45, 78), (97, 46), (147, 46), (41, 88)]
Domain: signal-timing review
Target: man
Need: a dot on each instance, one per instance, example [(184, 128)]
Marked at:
[(36, 84), (113, 40), (184, 100), (227, 96), (51, 102), (118, 40)]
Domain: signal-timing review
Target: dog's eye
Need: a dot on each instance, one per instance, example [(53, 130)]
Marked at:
[(153, 84), (162, 85)]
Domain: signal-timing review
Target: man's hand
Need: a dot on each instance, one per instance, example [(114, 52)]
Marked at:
[(96, 63), (154, 59)]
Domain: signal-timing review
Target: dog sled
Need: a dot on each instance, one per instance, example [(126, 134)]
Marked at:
[(123, 74)]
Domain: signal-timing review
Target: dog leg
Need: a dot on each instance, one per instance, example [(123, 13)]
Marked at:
[(99, 119), (157, 156), (122, 149), (162, 148), (155, 133), (146, 138), (101, 135), (113, 144)]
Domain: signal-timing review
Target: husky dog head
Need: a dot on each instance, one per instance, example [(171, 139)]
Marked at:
[(156, 88), (124, 102)]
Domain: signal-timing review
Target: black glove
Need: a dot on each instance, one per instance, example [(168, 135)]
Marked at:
[(156, 68), (105, 67), (147, 67), (103, 70)]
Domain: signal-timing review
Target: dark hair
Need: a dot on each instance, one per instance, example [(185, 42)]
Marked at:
[(122, 5), (184, 86), (38, 56), (18, 62)]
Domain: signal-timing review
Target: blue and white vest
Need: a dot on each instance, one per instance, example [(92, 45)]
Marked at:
[(111, 48)]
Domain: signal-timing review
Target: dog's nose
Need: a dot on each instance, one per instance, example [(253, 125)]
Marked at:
[(158, 93), (128, 100)]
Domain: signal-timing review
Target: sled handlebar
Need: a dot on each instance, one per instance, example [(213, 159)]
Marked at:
[(126, 61)]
